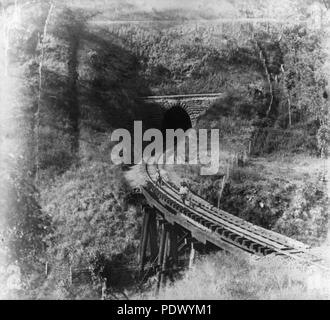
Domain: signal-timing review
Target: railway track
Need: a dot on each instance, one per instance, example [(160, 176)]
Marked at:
[(210, 224)]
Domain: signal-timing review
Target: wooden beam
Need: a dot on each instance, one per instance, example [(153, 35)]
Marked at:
[(165, 256), (174, 245), (161, 254), (144, 238), (153, 234)]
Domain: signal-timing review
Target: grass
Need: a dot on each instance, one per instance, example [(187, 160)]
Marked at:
[(226, 277)]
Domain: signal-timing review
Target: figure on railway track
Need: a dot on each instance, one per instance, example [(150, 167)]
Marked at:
[(164, 175), (161, 177), (158, 178), (184, 192)]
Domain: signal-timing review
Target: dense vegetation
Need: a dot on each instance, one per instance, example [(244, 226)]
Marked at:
[(74, 78), (238, 278), (285, 195)]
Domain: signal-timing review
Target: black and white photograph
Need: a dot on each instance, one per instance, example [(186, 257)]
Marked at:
[(162, 150)]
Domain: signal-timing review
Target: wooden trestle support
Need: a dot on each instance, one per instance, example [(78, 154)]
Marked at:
[(160, 245)]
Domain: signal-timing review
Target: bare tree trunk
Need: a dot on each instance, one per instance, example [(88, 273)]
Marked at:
[(74, 110), (289, 110), (37, 114), (287, 92), (269, 79), (326, 4)]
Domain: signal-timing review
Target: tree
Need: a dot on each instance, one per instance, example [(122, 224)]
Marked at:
[(25, 226), (42, 39)]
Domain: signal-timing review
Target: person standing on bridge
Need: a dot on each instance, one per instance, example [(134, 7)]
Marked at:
[(184, 192), (158, 178)]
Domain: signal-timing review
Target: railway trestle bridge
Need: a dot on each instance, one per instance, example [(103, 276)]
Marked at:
[(172, 228)]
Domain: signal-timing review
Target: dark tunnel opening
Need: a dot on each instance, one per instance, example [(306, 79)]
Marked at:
[(176, 118)]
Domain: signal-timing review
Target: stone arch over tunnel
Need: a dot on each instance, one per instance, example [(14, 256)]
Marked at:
[(176, 118)]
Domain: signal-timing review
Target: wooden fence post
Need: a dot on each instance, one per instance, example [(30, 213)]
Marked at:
[(221, 190)]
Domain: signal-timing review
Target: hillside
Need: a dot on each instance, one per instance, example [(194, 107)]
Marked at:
[(75, 71)]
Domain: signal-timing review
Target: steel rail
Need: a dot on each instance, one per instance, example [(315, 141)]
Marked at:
[(240, 223), (256, 238), (271, 235), (235, 233)]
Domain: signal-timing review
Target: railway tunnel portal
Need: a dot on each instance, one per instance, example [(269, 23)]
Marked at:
[(178, 111), (176, 118)]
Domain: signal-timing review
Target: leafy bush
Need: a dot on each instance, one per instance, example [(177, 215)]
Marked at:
[(307, 217), (93, 225), (271, 141)]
